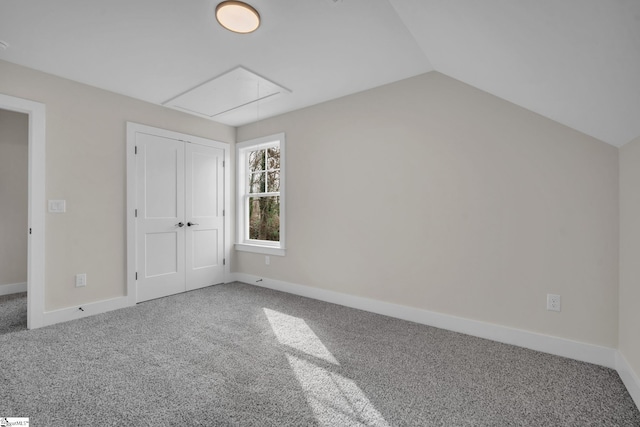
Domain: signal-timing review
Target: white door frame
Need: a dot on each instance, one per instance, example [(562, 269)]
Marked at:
[(132, 129), (36, 207)]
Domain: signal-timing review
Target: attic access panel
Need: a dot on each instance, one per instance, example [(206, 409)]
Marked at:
[(232, 90)]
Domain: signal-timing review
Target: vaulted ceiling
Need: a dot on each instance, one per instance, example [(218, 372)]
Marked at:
[(574, 61)]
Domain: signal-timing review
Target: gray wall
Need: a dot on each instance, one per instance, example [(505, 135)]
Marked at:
[(14, 152), (630, 254), (85, 165), (432, 194)]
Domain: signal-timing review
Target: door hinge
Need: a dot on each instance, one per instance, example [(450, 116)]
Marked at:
[(29, 231), (136, 275), (224, 261), (223, 163), (223, 212), (136, 150), (136, 213)]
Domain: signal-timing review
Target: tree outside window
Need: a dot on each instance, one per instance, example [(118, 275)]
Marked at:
[(264, 190), (261, 195)]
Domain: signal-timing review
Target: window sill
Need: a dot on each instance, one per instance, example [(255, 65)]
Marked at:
[(259, 249)]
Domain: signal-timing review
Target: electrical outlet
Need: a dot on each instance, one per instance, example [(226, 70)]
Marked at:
[(81, 280), (553, 302), (267, 260)]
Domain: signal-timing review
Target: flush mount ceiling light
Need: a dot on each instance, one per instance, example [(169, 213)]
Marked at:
[(238, 17)]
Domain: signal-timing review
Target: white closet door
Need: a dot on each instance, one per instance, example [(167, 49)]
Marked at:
[(161, 213), (205, 216)]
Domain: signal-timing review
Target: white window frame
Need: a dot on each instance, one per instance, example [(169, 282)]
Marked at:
[(243, 243)]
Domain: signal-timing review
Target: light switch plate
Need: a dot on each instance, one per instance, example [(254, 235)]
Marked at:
[(81, 280), (57, 206)]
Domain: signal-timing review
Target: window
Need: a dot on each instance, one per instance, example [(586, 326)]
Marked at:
[(260, 181)]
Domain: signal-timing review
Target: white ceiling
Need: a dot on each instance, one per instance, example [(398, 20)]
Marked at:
[(574, 61)]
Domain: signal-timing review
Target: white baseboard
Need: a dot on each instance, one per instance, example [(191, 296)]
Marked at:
[(629, 378), (84, 310), (13, 288), (585, 352)]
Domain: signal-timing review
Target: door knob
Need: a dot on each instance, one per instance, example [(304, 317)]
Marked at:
[(180, 224), (192, 223)]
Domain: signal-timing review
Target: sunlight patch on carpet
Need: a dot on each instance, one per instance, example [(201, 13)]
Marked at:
[(334, 399), (294, 332)]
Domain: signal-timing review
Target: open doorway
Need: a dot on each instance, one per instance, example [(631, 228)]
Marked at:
[(14, 190), (35, 230)]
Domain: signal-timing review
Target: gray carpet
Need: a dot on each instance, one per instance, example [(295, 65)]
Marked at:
[(13, 313), (239, 355)]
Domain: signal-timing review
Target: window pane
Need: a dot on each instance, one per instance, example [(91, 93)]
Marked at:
[(264, 218), (273, 182), (257, 161), (256, 182), (273, 158)]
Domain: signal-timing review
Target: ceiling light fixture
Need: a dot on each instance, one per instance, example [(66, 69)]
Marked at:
[(238, 17)]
